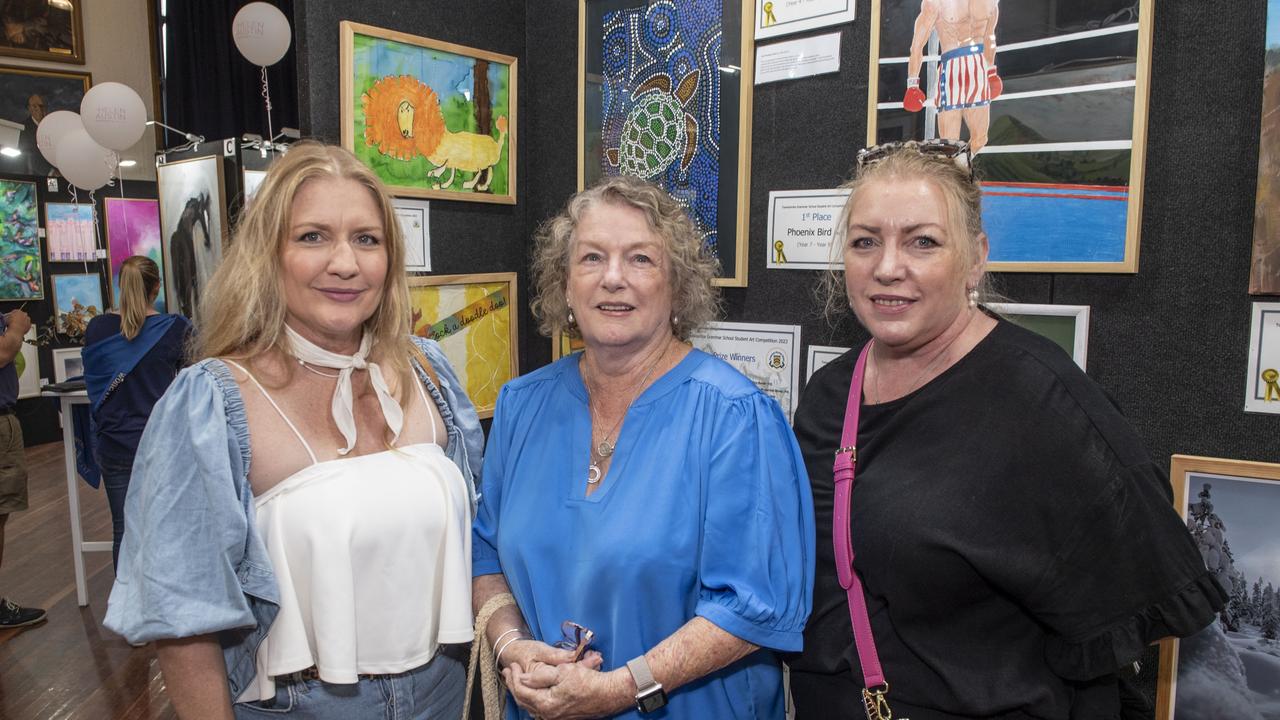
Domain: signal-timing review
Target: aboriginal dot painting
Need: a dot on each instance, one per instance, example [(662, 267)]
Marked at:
[(660, 118)]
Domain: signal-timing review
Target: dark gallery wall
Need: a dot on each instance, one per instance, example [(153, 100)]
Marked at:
[(1169, 343), (466, 237)]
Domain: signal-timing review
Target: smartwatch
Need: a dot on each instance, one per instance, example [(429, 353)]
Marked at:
[(649, 694)]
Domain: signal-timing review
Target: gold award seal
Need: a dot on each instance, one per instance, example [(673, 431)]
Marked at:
[(1270, 376)]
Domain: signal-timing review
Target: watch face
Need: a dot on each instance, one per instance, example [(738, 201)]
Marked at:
[(652, 700)]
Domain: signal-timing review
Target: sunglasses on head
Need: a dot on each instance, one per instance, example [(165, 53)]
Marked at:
[(956, 151)]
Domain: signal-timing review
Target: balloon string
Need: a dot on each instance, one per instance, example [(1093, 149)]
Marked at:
[(266, 96), (93, 209)]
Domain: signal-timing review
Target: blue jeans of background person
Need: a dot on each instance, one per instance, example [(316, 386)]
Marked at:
[(115, 479), (430, 691)]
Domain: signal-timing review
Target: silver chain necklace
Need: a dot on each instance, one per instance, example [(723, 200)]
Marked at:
[(604, 449)]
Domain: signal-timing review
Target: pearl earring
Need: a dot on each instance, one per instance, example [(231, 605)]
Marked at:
[(973, 297), (571, 320)]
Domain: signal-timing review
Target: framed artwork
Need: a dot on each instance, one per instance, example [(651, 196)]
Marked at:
[(563, 345), (252, 180), (50, 31), (783, 17), (21, 273), (415, 225), (1066, 325), (1264, 273), (77, 298), (133, 228), (193, 227), (70, 232), (471, 317), (26, 96), (432, 119), (819, 356), (1228, 669), (1262, 393), (664, 93), (769, 355), (27, 364), (67, 364), (1056, 107)]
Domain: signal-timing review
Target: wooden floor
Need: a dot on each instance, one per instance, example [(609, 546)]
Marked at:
[(69, 666)]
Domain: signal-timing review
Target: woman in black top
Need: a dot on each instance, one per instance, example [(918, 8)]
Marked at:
[(130, 357), (1016, 545)]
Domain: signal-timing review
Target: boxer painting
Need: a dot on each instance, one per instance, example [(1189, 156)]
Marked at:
[(967, 77)]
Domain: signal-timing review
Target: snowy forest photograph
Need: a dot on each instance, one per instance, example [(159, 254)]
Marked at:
[(1232, 668)]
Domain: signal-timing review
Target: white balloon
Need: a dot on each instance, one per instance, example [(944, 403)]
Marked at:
[(83, 162), (55, 126), (113, 115), (261, 33)]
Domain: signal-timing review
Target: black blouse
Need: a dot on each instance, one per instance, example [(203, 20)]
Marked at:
[(1012, 535)]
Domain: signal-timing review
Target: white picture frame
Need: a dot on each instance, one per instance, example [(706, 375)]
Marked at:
[(769, 355), (820, 355), (783, 17), (1262, 391), (1072, 337), (67, 364), (29, 378), (415, 224)]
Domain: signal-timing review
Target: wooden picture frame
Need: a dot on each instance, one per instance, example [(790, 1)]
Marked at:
[(563, 345), (1066, 325), (1243, 499), (27, 95), (404, 81), (472, 318), (1062, 170), (67, 363), (1264, 270), (711, 176), (52, 34)]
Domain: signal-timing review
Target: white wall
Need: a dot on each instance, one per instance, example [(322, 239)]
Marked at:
[(118, 48)]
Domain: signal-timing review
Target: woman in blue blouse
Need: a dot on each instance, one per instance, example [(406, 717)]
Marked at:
[(641, 489), (130, 358)]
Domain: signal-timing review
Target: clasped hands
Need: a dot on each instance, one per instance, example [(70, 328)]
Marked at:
[(546, 682)]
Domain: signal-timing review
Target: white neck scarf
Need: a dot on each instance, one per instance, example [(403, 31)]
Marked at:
[(310, 353)]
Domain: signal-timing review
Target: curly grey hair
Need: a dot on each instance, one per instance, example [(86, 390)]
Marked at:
[(694, 300)]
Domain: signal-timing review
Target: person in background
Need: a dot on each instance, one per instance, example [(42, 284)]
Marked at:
[(13, 461), (297, 529), (1017, 548), (641, 489), (130, 357)]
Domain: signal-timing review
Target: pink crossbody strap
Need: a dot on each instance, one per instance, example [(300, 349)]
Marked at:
[(846, 459)]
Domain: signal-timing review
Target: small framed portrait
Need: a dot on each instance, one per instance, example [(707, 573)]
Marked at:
[(67, 364)]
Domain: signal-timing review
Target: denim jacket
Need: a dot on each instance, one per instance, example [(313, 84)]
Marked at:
[(192, 561)]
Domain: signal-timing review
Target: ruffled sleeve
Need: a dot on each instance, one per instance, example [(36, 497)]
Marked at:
[(484, 535), (757, 563), (183, 561), (1131, 575)]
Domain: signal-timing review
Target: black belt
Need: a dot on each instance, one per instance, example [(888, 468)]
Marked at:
[(8, 411)]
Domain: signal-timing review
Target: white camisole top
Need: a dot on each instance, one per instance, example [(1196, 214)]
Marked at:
[(372, 558)]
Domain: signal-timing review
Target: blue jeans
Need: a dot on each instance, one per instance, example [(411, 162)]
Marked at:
[(427, 692), (115, 479)]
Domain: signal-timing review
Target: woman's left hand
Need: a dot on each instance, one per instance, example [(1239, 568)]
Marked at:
[(568, 692)]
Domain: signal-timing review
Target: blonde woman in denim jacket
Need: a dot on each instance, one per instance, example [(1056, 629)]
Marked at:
[(297, 534)]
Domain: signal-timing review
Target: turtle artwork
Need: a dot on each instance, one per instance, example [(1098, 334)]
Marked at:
[(660, 103), (659, 130)]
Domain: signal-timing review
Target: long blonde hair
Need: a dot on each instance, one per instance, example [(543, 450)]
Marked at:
[(139, 285), (242, 312)]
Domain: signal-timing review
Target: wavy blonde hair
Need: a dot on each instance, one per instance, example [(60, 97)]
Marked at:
[(139, 286), (242, 312), (694, 300), (962, 193)]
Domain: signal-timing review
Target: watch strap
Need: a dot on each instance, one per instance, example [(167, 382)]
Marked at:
[(639, 668)]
